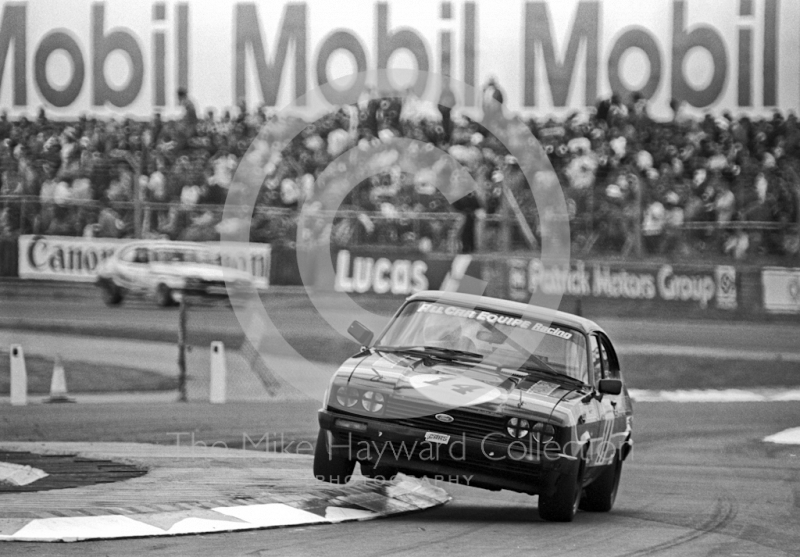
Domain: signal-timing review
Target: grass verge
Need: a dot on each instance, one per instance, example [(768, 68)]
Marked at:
[(84, 377)]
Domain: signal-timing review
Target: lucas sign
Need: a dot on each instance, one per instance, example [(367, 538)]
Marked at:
[(116, 56)]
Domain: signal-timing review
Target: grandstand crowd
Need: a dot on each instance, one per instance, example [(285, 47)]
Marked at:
[(723, 184)]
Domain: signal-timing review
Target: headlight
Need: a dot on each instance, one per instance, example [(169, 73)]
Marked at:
[(543, 433), (372, 401), (347, 396), (518, 428)]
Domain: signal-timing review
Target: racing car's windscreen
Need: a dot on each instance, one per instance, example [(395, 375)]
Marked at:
[(511, 340)]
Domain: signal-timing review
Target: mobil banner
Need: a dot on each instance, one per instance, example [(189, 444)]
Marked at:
[(76, 258), (548, 56), (781, 288), (704, 286)]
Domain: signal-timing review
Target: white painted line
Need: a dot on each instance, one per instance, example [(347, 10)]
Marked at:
[(785, 437), (716, 395), (19, 474), (193, 525), (643, 349), (219, 519), (73, 528), (340, 514), (271, 514)]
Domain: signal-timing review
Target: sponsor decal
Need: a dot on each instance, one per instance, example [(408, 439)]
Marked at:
[(781, 288), (440, 438), (123, 57), (614, 281), (77, 258), (493, 318)]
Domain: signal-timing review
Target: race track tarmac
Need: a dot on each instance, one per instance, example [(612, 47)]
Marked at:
[(700, 482)]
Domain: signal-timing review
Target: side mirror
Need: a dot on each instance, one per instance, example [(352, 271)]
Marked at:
[(610, 386), (360, 333)]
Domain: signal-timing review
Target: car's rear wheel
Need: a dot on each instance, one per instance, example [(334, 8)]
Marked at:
[(561, 505), (600, 495), (164, 296), (112, 295), (330, 466)]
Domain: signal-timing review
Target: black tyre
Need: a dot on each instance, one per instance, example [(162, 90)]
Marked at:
[(600, 495), (377, 472), (562, 504), (164, 296), (329, 466), (112, 296)]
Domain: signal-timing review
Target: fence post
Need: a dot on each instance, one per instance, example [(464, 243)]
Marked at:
[(19, 377), (797, 210), (637, 219), (182, 349), (480, 231), (219, 373), (504, 240)]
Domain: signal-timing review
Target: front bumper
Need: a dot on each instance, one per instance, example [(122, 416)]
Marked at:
[(490, 461)]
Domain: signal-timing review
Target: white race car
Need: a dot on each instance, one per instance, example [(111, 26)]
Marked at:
[(166, 271)]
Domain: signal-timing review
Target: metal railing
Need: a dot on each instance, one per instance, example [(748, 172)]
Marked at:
[(437, 232)]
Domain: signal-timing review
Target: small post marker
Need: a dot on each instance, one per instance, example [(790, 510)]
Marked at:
[(19, 376), (58, 384), (219, 373)]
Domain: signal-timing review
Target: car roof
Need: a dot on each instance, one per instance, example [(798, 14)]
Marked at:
[(528, 310)]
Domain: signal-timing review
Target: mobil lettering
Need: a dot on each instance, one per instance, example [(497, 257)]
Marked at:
[(128, 57), (684, 38)]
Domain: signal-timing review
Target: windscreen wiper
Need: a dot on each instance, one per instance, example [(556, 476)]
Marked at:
[(551, 373), (452, 352), (446, 354)]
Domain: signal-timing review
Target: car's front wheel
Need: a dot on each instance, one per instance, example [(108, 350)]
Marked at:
[(377, 472), (112, 295), (330, 466), (561, 504), (600, 495), (164, 296)]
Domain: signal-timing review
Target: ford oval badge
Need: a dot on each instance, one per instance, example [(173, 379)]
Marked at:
[(446, 418)]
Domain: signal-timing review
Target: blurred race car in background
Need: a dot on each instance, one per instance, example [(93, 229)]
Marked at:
[(483, 392), (165, 271)]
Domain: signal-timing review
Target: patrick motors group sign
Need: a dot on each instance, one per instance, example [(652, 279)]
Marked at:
[(75, 56), (616, 281)]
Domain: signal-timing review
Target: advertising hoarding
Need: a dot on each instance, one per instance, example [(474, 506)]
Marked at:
[(549, 56), (76, 258)]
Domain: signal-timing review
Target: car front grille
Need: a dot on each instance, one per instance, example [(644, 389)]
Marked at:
[(423, 416)]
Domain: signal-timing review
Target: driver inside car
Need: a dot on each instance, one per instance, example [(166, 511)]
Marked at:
[(449, 332)]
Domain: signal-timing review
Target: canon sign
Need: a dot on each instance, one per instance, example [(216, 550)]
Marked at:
[(130, 57)]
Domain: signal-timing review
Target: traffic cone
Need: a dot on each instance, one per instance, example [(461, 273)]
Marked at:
[(58, 384)]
